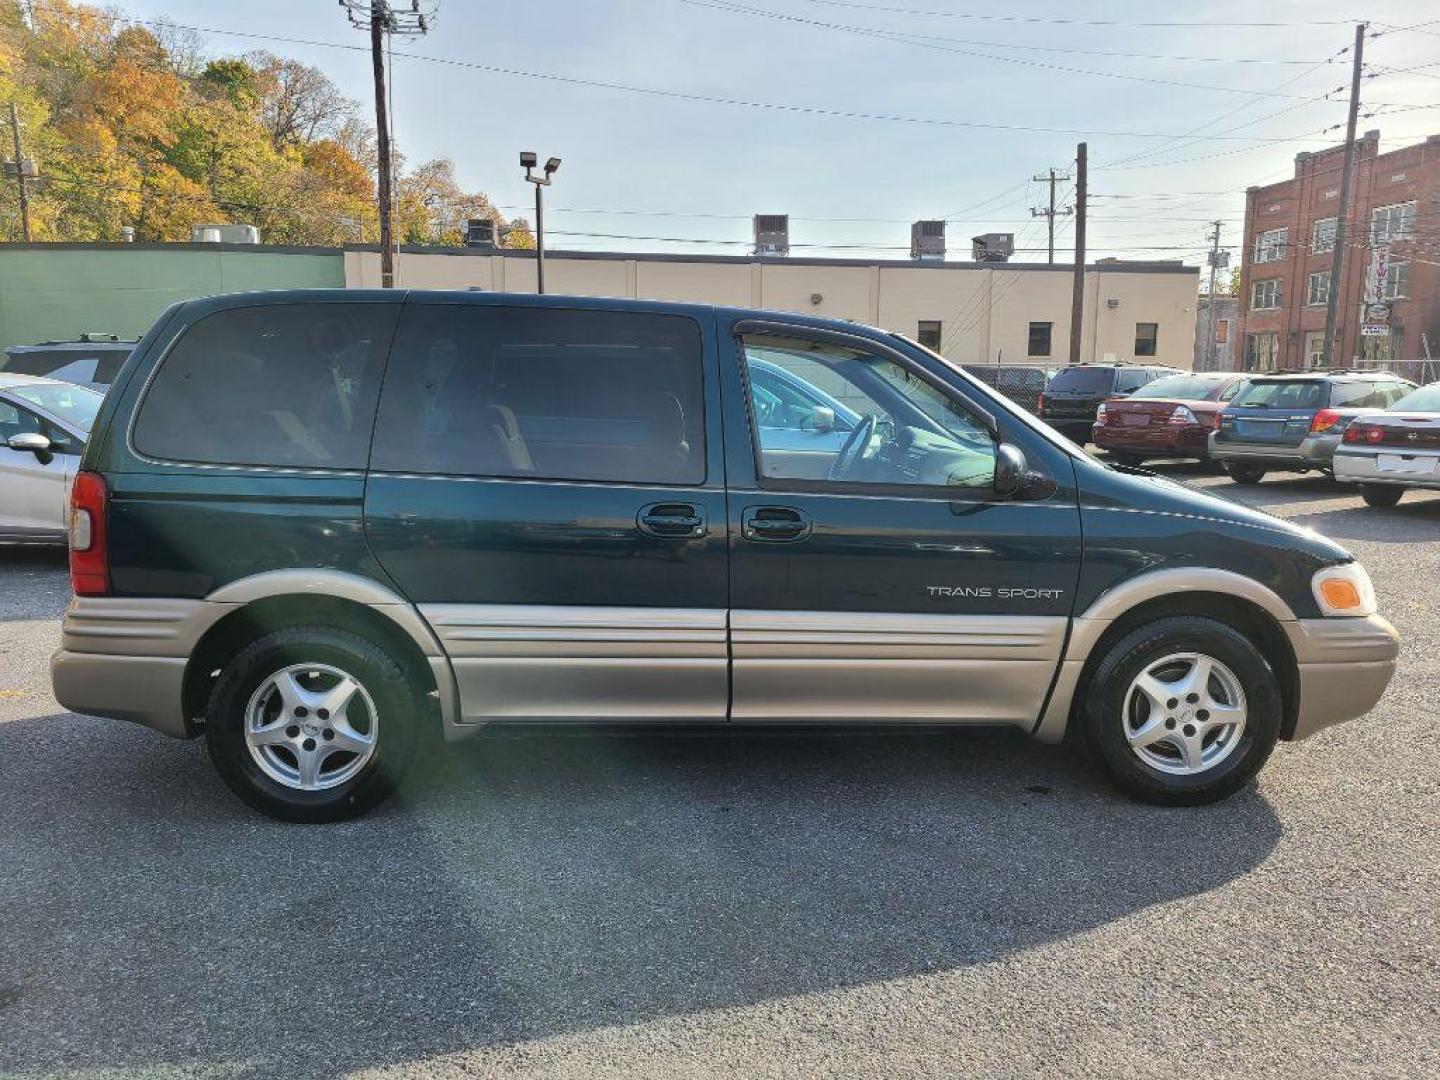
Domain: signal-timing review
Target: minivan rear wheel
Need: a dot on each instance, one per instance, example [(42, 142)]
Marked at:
[(1381, 494), (1183, 710), (312, 724)]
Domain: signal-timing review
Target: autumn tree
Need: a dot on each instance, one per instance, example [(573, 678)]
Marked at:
[(134, 125)]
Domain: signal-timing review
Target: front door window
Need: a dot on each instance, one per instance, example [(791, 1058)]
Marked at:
[(893, 426)]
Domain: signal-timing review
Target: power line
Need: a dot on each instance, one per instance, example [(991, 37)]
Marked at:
[(1064, 49), (1192, 24), (733, 8)]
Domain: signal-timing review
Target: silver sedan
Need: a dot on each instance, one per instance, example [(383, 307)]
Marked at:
[(1387, 452), (44, 424)]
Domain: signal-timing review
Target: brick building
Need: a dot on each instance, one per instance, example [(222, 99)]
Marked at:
[(1393, 231)]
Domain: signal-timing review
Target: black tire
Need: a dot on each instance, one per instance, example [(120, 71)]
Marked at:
[(1130, 461), (1245, 474), (398, 703), (1381, 494), (1104, 720)]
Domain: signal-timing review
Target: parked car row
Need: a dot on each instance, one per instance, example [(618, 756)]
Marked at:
[(1294, 422), (1372, 428)]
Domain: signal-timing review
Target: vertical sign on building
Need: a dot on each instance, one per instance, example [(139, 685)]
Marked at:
[(1377, 273)]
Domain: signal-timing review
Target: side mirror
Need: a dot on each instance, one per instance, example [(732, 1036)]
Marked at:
[(821, 419), (1011, 470), (1014, 479), (35, 443)]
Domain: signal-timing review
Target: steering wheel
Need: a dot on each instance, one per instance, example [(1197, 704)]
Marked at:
[(854, 448)]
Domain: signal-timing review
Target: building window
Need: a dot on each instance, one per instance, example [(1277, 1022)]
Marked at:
[(1317, 288), (1040, 338), (1395, 222), (1265, 295), (1222, 332), (1146, 335), (1322, 237), (1397, 280), (1261, 351), (928, 333), (1315, 349), (1270, 245)]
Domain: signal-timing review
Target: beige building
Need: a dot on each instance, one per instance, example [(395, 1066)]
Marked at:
[(1010, 313)]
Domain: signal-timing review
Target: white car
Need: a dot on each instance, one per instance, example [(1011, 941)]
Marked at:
[(1387, 452), (44, 424)]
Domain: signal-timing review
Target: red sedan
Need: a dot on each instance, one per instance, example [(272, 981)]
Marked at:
[(1168, 418)]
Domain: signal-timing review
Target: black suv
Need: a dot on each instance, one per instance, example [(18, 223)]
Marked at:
[(1074, 394), (312, 525), (93, 360)]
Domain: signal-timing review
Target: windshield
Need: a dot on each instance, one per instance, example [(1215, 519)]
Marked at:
[(1083, 380), (1185, 387), (75, 405), (1426, 399), (1287, 394)]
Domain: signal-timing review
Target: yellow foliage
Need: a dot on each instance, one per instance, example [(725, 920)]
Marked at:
[(127, 134)]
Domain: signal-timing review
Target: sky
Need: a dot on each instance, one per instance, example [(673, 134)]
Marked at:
[(676, 120)]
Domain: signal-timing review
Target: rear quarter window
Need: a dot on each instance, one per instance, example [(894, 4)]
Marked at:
[(280, 385)]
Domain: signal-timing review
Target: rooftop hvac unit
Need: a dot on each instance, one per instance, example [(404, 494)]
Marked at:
[(224, 234), (772, 234), (927, 240), (992, 247), (480, 233)]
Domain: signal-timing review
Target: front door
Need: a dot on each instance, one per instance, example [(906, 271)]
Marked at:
[(34, 493), (880, 579), (547, 485)]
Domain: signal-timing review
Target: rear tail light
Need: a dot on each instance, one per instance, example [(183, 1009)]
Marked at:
[(1363, 433), (1324, 420), (1182, 417), (1040, 404), (89, 552), (1100, 414)]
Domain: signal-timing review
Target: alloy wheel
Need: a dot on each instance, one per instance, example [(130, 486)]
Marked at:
[(1184, 714), (311, 726)]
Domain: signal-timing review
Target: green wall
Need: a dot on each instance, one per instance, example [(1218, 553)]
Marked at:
[(59, 291)]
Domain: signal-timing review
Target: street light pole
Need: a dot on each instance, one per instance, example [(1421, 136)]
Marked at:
[(528, 160)]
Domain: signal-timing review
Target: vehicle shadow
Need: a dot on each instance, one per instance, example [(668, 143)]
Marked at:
[(528, 885)]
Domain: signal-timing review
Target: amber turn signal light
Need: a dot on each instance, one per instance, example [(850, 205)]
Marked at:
[(1341, 595)]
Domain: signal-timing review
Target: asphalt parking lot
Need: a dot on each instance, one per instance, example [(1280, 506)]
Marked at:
[(670, 904)]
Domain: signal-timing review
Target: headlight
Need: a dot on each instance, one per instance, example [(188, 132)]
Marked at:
[(1344, 590)]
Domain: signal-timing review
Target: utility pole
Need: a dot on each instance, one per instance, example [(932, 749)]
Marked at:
[(1217, 260), (1036, 211), (1337, 257), (24, 170), (383, 22), (1077, 297)]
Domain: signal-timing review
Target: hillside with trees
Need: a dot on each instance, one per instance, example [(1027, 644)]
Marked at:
[(141, 126)]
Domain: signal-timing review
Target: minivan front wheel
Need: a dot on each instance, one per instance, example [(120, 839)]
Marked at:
[(1182, 711), (312, 724)]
